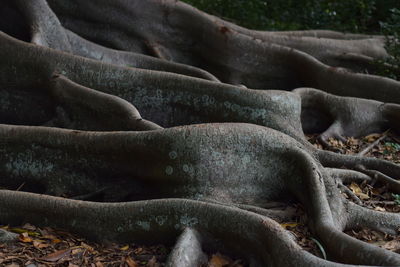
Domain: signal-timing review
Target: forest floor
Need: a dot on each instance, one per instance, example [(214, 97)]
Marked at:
[(37, 247)]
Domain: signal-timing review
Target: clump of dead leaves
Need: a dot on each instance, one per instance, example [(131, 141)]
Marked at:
[(36, 247)]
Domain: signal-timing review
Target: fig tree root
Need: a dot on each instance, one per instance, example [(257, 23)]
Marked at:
[(139, 121), (229, 163)]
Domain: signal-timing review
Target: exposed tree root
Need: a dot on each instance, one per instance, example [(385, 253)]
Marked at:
[(382, 221), (105, 154), (163, 220), (239, 104), (348, 176), (154, 64)]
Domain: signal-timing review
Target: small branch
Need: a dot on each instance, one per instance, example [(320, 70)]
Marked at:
[(350, 194), (19, 187), (89, 195), (371, 146)]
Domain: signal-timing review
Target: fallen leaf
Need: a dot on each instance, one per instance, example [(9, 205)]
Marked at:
[(39, 244), (124, 248), (372, 137), (217, 260), (24, 237), (286, 225), (57, 255), (358, 191), (22, 231), (131, 262), (379, 209), (86, 246)]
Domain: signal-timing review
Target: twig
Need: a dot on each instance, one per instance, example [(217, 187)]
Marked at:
[(90, 195), (321, 248), (371, 146), (19, 187), (350, 194)]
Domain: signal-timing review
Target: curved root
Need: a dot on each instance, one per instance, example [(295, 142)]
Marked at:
[(378, 168), (349, 116), (347, 176), (353, 251), (381, 221), (261, 240)]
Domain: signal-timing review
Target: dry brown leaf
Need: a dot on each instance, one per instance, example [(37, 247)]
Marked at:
[(48, 236), (24, 237), (86, 246), (57, 255), (76, 251), (372, 137), (358, 191), (39, 244), (124, 248), (99, 264), (131, 262), (217, 260), (379, 209)]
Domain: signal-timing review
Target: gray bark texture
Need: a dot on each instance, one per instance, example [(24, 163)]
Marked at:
[(131, 119)]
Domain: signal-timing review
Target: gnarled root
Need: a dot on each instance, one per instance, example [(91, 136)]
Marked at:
[(46, 30), (379, 170), (188, 166), (232, 54), (343, 116), (260, 241)]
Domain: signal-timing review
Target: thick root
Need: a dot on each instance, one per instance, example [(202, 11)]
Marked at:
[(347, 176), (381, 221), (353, 251), (163, 220), (348, 116), (377, 169)]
